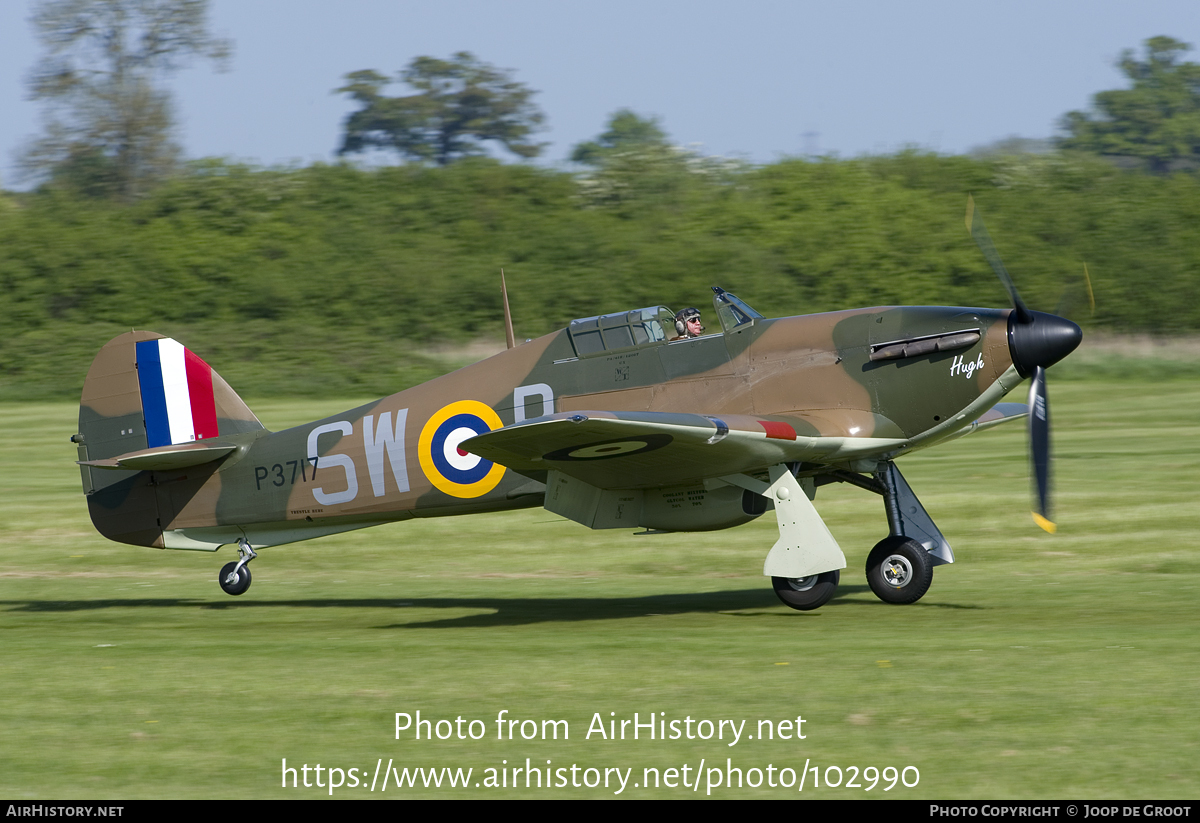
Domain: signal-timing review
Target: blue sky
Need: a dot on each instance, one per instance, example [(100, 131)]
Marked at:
[(757, 79)]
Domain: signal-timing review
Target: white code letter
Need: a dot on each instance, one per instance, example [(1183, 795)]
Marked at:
[(323, 463), (523, 393), (386, 439)]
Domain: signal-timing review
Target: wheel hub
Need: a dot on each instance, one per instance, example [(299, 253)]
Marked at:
[(897, 571), (802, 584)]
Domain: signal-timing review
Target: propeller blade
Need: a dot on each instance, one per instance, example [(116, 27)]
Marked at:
[(1087, 278), (1036, 340), (1039, 449), (984, 241), (1073, 295)]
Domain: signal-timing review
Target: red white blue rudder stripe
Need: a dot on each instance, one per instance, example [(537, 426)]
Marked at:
[(177, 393)]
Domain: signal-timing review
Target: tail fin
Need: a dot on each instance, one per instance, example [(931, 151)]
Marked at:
[(146, 391)]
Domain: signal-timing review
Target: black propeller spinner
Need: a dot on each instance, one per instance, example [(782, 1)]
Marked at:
[(1036, 341)]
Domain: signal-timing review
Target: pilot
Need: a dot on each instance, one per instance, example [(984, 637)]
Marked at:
[(687, 324)]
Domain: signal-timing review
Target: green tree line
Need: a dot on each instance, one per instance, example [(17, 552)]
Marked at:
[(332, 279)]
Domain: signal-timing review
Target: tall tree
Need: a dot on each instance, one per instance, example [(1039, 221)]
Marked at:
[(109, 121), (627, 131), (635, 168), (459, 105), (1157, 120)]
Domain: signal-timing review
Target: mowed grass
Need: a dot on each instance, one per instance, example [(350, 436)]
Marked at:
[(1038, 666)]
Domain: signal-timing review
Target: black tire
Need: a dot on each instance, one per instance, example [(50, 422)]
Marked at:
[(806, 593), (899, 570), (240, 585)]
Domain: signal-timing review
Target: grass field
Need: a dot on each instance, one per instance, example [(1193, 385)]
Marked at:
[(1038, 666)]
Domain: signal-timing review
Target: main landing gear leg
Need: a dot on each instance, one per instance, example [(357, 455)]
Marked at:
[(804, 562), (900, 567), (235, 577)]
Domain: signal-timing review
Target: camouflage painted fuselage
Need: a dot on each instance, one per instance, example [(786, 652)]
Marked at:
[(835, 391)]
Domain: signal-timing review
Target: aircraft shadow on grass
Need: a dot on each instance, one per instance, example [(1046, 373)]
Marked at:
[(502, 611)]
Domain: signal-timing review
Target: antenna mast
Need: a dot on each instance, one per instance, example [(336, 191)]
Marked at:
[(508, 330)]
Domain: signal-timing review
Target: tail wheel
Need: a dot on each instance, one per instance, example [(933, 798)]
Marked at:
[(232, 583), (899, 570), (806, 593)]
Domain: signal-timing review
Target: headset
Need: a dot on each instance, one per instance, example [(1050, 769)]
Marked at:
[(685, 315)]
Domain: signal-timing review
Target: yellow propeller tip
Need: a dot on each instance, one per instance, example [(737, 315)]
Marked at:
[(1044, 523)]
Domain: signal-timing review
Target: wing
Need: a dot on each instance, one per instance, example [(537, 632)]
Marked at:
[(641, 450), (1000, 413)]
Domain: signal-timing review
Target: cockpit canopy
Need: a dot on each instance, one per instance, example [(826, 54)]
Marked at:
[(650, 326), (609, 332)]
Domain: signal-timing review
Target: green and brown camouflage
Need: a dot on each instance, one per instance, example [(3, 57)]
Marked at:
[(618, 421)]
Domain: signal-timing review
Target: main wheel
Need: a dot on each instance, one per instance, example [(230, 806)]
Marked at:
[(899, 570), (806, 593), (239, 585)]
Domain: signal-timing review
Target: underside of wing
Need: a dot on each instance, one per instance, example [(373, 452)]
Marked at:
[(642, 450), (1000, 413)]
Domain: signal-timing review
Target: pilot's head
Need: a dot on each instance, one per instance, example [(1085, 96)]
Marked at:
[(687, 322)]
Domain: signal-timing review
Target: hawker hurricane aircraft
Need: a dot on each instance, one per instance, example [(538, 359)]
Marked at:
[(636, 419)]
